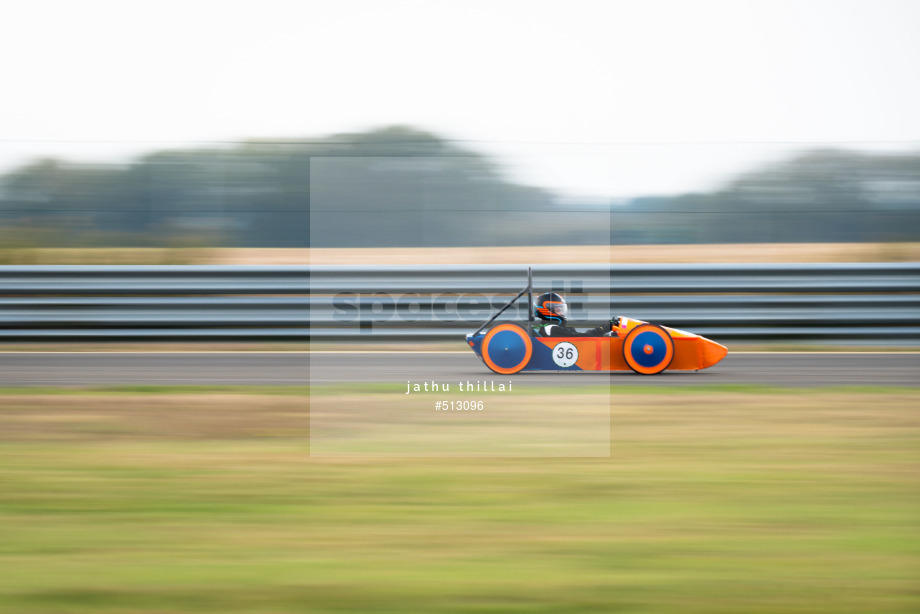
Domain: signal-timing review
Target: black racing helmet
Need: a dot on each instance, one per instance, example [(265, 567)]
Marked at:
[(550, 307)]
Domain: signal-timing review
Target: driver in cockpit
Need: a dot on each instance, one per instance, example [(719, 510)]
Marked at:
[(551, 308)]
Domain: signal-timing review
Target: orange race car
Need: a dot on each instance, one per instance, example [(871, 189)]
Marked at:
[(629, 344)]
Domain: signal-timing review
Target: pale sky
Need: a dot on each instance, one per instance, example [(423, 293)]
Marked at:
[(589, 98)]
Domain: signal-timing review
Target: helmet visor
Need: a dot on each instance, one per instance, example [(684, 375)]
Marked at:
[(557, 308)]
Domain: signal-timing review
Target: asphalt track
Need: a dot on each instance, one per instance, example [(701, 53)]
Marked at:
[(82, 369)]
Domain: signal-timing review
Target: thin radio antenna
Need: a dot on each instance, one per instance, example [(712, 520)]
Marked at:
[(530, 298)]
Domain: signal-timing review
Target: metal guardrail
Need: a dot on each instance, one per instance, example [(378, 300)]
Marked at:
[(805, 302)]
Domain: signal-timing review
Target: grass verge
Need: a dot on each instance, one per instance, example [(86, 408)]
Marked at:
[(721, 500)]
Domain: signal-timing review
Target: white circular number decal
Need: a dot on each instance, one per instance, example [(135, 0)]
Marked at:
[(565, 354)]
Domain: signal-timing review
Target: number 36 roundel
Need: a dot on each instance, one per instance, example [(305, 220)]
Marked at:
[(565, 354)]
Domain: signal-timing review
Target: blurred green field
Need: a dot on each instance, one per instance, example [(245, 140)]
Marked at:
[(717, 500)]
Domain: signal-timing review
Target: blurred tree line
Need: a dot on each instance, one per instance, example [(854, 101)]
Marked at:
[(818, 196), (403, 187)]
